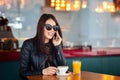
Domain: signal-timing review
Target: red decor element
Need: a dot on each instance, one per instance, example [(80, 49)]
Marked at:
[(68, 53), (9, 56), (71, 53)]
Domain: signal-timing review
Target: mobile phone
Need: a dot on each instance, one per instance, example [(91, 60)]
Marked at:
[(55, 35)]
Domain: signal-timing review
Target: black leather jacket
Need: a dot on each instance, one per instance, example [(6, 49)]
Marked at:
[(32, 64)]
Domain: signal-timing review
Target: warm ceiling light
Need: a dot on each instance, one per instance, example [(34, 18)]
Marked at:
[(63, 1), (52, 4), (69, 5), (57, 8), (99, 9), (84, 4), (52, 0), (1, 2), (57, 5), (68, 8), (105, 4), (112, 8), (62, 5), (57, 1)]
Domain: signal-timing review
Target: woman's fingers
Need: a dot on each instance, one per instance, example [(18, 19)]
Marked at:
[(57, 40), (50, 71), (58, 34)]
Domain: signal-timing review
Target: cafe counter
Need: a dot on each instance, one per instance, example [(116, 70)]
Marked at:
[(14, 55), (96, 60), (102, 60)]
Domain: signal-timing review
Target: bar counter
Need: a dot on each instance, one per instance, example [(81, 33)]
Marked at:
[(91, 53), (104, 61), (84, 76), (6, 55)]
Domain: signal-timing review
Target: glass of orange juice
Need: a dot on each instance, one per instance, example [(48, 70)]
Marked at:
[(77, 77), (76, 66)]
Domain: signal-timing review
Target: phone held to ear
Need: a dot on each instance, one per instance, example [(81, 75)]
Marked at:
[(55, 35)]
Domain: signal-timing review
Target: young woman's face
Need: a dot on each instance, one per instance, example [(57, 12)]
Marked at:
[(48, 34)]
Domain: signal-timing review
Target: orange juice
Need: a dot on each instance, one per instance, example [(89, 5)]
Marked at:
[(76, 67), (69, 78), (77, 77)]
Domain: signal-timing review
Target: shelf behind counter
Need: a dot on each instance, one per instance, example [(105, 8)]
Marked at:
[(14, 55)]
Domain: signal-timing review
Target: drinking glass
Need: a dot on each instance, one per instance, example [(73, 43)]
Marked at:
[(76, 66)]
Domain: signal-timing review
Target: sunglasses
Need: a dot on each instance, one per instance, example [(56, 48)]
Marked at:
[(49, 27)]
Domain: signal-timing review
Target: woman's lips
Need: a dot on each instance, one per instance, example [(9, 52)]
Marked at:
[(50, 34)]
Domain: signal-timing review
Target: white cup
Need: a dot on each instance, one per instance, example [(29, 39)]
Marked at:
[(62, 70)]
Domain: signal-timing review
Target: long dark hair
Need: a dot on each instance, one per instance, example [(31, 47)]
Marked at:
[(40, 32)]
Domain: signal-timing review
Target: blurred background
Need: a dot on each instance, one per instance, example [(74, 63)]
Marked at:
[(83, 22), (91, 32)]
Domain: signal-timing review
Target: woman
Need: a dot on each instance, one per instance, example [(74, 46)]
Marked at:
[(42, 54)]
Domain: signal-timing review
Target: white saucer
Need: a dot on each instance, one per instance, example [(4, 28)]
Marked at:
[(63, 74)]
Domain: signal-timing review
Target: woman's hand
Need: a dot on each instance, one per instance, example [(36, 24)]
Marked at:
[(49, 71), (57, 40)]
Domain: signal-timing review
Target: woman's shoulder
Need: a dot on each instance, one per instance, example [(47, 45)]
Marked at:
[(29, 41)]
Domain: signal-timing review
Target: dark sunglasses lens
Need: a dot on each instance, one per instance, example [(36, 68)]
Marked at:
[(48, 27), (56, 28)]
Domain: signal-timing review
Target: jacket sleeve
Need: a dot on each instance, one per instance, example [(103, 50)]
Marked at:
[(25, 65), (62, 61)]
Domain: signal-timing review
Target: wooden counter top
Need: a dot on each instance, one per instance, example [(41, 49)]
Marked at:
[(84, 76)]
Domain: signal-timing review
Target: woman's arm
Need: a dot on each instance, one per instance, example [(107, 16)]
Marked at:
[(61, 55), (25, 64)]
